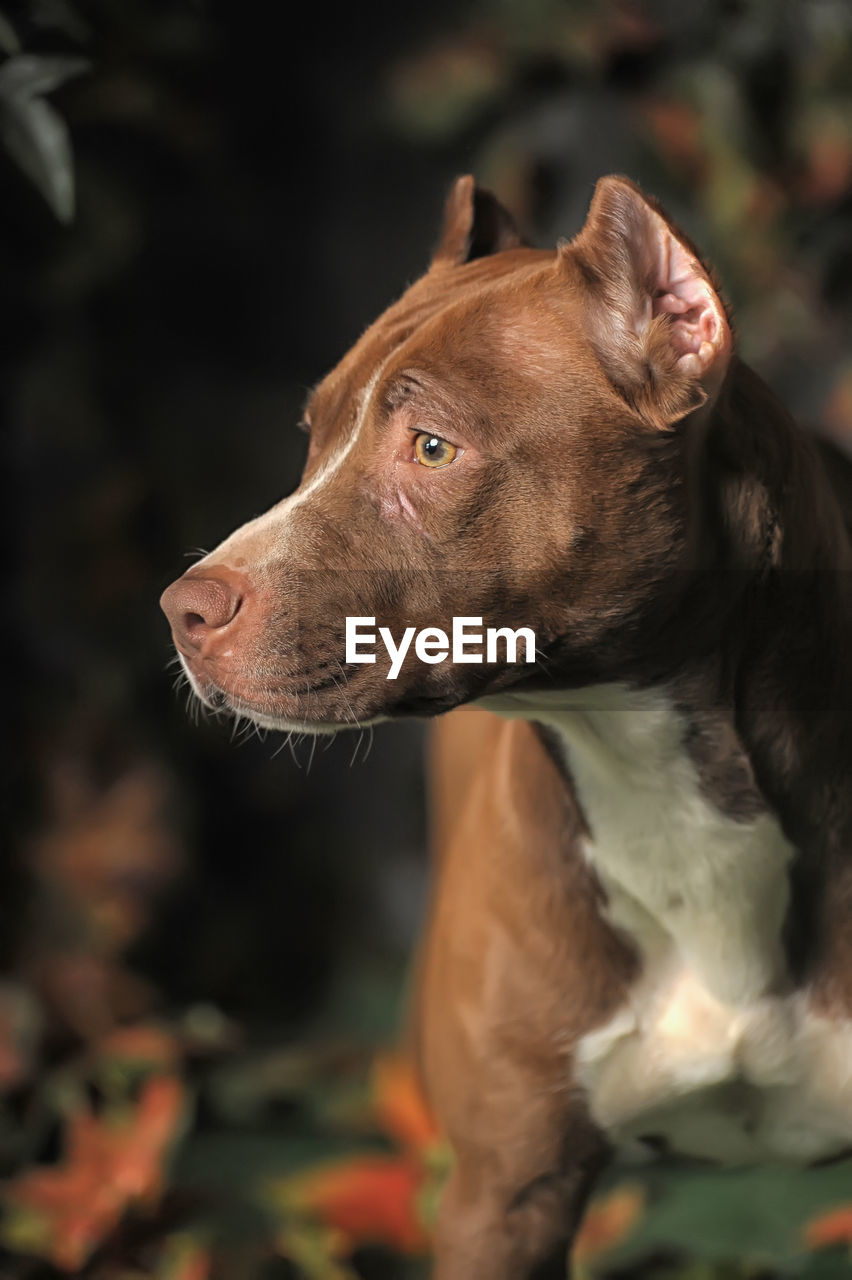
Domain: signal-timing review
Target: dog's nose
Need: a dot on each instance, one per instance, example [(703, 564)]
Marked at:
[(197, 607)]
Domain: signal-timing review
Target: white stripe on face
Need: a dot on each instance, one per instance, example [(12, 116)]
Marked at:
[(268, 526)]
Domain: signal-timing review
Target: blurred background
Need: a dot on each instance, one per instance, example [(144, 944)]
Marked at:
[(205, 941)]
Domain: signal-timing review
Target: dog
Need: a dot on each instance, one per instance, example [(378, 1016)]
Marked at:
[(640, 935)]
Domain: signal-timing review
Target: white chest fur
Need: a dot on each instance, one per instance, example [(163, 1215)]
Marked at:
[(713, 1052)]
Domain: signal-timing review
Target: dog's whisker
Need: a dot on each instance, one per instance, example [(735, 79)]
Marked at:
[(542, 661), (341, 689)]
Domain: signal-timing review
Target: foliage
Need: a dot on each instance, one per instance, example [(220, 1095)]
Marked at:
[(32, 131), (199, 1091), (358, 1166)]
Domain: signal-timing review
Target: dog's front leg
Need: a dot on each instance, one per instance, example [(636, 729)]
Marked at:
[(492, 1226), (516, 966)]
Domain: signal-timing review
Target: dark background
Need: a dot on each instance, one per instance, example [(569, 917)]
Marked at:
[(254, 182)]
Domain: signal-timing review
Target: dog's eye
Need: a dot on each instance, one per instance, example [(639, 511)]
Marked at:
[(432, 451)]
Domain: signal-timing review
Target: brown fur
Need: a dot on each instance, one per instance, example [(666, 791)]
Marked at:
[(656, 528), (509, 981)]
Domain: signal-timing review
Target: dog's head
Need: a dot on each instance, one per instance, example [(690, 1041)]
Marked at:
[(507, 441)]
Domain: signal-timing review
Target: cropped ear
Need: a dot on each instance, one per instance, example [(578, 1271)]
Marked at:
[(475, 225), (659, 326)]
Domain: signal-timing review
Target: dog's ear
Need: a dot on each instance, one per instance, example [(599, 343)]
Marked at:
[(656, 318), (475, 225)]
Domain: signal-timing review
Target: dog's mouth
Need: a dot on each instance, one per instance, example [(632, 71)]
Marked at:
[(225, 702)]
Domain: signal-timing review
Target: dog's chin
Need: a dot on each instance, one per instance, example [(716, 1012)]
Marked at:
[(224, 702)]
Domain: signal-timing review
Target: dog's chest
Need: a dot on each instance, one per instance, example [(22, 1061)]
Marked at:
[(712, 1055)]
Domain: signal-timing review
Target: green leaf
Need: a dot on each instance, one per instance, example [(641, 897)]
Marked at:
[(30, 75), (34, 134), (750, 1214), (9, 41)]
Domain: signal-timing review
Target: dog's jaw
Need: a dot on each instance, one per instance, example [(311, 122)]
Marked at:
[(222, 702)]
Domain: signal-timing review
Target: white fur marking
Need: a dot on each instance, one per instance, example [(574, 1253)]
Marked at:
[(274, 522), (712, 1052)]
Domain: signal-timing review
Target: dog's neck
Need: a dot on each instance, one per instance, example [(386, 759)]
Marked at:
[(789, 678), (749, 746)]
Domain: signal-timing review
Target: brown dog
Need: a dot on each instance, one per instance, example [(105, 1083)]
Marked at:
[(641, 932)]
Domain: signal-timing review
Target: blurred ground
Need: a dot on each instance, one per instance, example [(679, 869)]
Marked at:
[(204, 942)]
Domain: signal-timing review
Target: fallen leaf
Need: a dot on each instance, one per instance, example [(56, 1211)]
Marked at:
[(139, 1046), (831, 1228), (184, 1258), (609, 1219), (369, 1199), (399, 1104), (64, 1213)]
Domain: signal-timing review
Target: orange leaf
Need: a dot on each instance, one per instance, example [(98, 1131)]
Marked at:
[(140, 1043), (676, 126), (837, 410), (130, 1154), (399, 1103), (60, 1216), (370, 1199), (64, 1213), (184, 1259), (828, 169), (159, 1110), (833, 1227), (607, 1222)]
